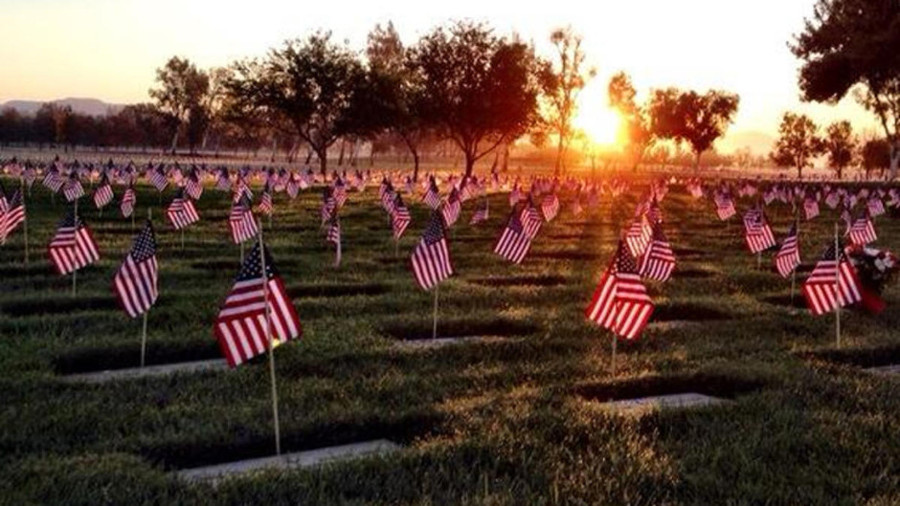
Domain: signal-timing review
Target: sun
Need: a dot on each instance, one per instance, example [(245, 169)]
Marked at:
[(601, 125)]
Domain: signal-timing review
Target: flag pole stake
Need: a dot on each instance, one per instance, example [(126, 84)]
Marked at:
[(435, 315), (75, 272), (262, 258), (242, 253), (615, 340), (837, 288), (25, 220)]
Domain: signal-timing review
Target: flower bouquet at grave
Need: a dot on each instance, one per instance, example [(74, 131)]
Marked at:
[(875, 269)]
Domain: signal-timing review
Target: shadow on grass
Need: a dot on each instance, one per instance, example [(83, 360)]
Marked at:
[(860, 357), (715, 385), (502, 327), (547, 280), (687, 312), (129, 355)]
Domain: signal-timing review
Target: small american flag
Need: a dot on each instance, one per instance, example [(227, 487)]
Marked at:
[(193, 186), (757, 231), (128, 201), (135, 284), (53, 180), (400, 217), (265, 202), (242, 190), (862, 231), (788, 257), (241, 221), (73, 189), (329, 204), (334, 236), (620, 302), (431, 257), (514, 242), (181, 211), (15, 214), (832, 283), (480, 214), (875, 206), (451, 208), (550, 206), (223, 182), (103, 195), (515, 196), (833, 199), (531, 220), (810, 208), (340, 193), (724, 206), (157, 178), (73, 246), (638, 236), (432, 197), (292, 187), (257, 306), (659, 261)]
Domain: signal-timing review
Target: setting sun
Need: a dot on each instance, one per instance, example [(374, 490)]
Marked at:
[(594, 117)]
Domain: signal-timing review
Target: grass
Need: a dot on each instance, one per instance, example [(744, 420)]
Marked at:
[(512, 421)]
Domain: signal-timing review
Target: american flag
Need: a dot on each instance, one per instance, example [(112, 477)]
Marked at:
[(257, 306), (831, 283), (128, 201), (515, 196), (73, 189), (659, 260), (514, 242), (875, 206), (432, 197), (620, 302), (157, 178), (550, 206), (431, 257), (241, 221), (181, 211), (654, 213), (724, 206), (862, 231), (340, 193), (833, 199), (788, 257), (329, 204), (638, 236), (757, 231), (334, 236), (265, 202), (193, 186), (53, 180), (242, 189), (223, 182), (451, 208), (810, 208), (400, 217), (292, 187), (73, 246), (15, 214), (136, 280), (103, 194), (531, 220), (480, 214)]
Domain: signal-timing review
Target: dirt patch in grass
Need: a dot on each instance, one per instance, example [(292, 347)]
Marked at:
[(860, 357), (785, 300), (57, 305), (565, 255), (502, 327), (250, 442), (715, 385), (687, 312), (129, 355), (547, 280), (337, 290)]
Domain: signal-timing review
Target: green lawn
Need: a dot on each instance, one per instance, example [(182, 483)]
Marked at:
[(510, 421)]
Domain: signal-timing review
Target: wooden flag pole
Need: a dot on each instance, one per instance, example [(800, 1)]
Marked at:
[(615, 340), (435, 315), (144, 327), (25, 220), (262, 259), (75, 271), (837, 288), (794, 272)]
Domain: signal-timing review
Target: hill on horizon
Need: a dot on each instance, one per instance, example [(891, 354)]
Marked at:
[(89, 106)]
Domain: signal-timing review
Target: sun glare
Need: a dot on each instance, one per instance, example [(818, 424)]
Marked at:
[(601, 125)]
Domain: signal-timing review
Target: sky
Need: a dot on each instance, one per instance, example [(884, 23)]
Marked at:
[(109, 49)]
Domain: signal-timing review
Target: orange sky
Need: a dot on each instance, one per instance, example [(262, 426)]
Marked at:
[(108, 49)]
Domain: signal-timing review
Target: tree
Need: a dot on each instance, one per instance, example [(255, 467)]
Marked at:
[(687, 116), (875, 154), (636, 125), (482, 89), (562, 83), (840, 145), (798, 143), (852, 44), (308, 83), (181, 92)]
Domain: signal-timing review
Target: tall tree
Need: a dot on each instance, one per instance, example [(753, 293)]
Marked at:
[(840, 146), (875, 154), (309, 83), (852, 44), (482, 89), (635, 124), (182, 89), (687, 116), (798, 143), (566, 76)]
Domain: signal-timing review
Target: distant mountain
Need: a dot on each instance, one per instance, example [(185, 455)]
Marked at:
[(89, 106)]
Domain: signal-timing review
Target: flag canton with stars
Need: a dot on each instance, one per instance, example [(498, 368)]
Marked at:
[(144, 244), (625, 263), (435, 230), (252, 268)]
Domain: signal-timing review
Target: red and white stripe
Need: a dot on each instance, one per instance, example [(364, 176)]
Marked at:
[(136, 285)]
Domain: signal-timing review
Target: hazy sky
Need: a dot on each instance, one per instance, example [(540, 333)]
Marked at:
[(109, 49)]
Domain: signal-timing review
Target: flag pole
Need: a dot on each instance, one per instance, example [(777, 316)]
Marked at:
[(837, 288), (615, 340), (25, 219), (265, 277), (435, 315), (794, 272), (242, 252), (144, 327), (75, 271)]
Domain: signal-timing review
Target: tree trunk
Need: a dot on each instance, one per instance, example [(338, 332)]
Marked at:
[(470, 164), (323, 160), (697, 161), (341, 155), (559, 156), (895, 158), (415, 154), (175, 139), (800, 172)]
